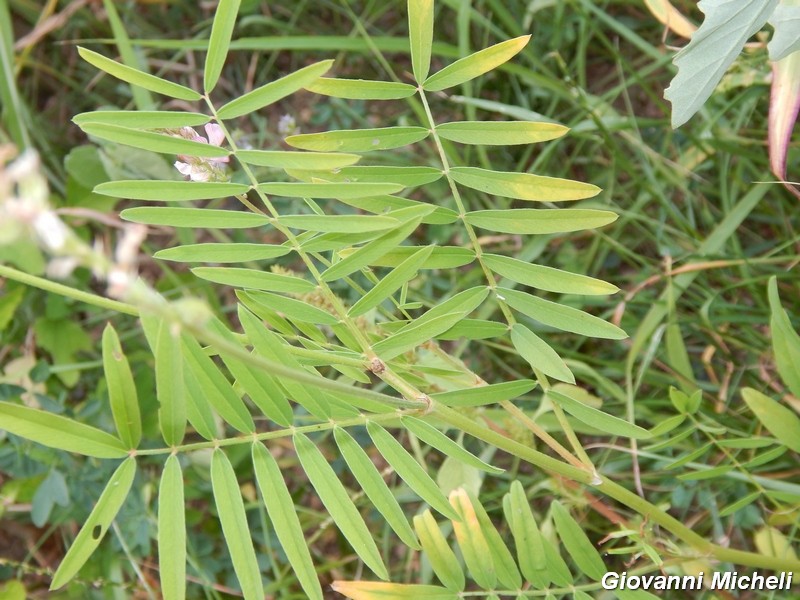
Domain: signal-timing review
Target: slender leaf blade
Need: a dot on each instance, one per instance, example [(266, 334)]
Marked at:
[(420, 34), (170, 191), (361, 89), (539, 354), (254, 280), (219, 42), (291, 308), (121, 389), (523, 186), (207, 218), (358, 140), (547, 278), (442, 558), (779, 420), (339, 223), (476, 64), (500, 133), (540, 220), (172, 531), (152, 141), (379, 590)]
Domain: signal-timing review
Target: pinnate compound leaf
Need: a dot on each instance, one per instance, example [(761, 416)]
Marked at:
[(59, 432), (539, 354), (523, 186), (283, 516), (361, 89), (273, 91), (374, 486), (779, 420), (143, 119), (728, 24), (254, 280), (96, 525), (786, 21), (378, 590), (296, 160), (547, 278), (121, 390), (152, 141), (485, 394), (500, 133), (474, 547), (232, 252), (337, 501), (137, 77), (208, 218), (540, 220), (475, 64), (410, 470), (597, 418), (436, 439), (785, 341), (420, 34), (219, 42), (442, 558), (170, 191), (358, 140), (577, 543), (232, 516), (172, 531)]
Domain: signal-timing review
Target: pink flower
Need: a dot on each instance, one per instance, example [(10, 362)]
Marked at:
[(203, 169)]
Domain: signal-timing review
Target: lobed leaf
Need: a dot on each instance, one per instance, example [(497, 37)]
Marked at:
[(358, 140), (439, 215), (505, 567), (339, 223), (121, 389), (527, 538), (441, 257), (219, 42), (500, 133), (172, 532), (207, 218), (415, 334), (378, 590), (170, 191), (541, 220), (291, 308), (523, 186), (474, 329), (361, 89)]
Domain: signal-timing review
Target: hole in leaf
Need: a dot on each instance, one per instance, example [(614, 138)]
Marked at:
[(97, 532)]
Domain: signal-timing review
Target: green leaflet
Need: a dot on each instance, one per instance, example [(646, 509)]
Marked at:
[(208, 218), (485, 394), (374, 486), (358, 140), (523, 186), (143, 119), (121, 389), (442, 558), (539, 354), (254, 280), (420, 35), (505, 567), (779, 420), (540, 220), (283, 516), (474, 329), (222, 253), (414, 334), (475, 64), (785, 341), (441, 257), (273, 91), (527, 539), (440, 215), (577, 543), (547, 278), (296, 160), (172, 532), (403, 176), (500, 133), (59, 432), (377, 590), (218, 43), (337, 501), (339, 223), (361, 89), (561, 317), (474, 547), (392, 282), (739, 504), (436, 439), (410, 470), (597, 418), (137, 77), (235, 529), (141, 97), (198, 408), (154, 142), (170, 387), (96, 525), (291, 308), (170, 191)]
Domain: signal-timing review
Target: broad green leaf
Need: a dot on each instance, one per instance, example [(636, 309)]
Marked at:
[(597, 418), (154, 142), (392, 282), (436, 439), (485, 394), (785, 341), (296, 160), (473, 544), (172, 532), (442, 257), (358, 140), (541, 220), (273, 91), (222, 253), (475, 64), (96, 525), (170, 387), (236, 531), (361, 89), (329, 190), (527, 538), (504, 565), (339, 223), (539, 354), (283, 515), (255, 280), (170, 191), (728, 24), (55, 431), (218, 43), (121, 389), (143, 119), (420, 34), (207, 218), (371, 481), (415, 334), (442, 558), (404, 176), (559, 316), (474, 329), (216, 388), (292, 308), (577, 543), (500, 133), (378, 590), (137, 77), (786, 21), (779, 420), (547, 278), (410, 470), (440, 215), (523, 186), (340, 507)]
